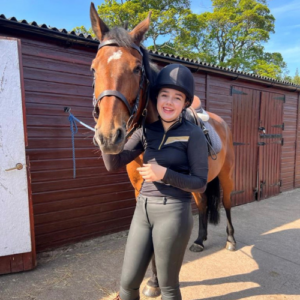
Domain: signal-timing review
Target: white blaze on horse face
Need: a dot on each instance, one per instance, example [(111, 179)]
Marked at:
[(116, 55)]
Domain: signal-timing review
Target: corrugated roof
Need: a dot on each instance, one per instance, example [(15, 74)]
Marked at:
[(88, 40), (42, 27)]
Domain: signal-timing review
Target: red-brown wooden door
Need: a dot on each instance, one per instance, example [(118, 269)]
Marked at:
[(245, 120), (257, 136), (270, 143)]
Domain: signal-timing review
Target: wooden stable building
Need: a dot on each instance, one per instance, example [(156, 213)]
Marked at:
[(55, 72)]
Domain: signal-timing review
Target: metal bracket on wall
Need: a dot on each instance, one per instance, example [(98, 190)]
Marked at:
[(239, 144), (279, 126), (262, 183), (234, 91), (270, 136), (276, 184), (237, 192), (282, 98)]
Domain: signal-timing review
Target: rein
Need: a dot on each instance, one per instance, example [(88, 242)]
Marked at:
[(130, 127)]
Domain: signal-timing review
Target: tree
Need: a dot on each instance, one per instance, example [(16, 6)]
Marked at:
[(231, 36), (235, 31), (165, 17), (296, 78)]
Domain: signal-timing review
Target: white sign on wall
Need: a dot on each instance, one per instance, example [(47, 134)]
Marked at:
[(15, 235)]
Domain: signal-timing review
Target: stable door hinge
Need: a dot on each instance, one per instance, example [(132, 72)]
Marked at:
[(261, 143), (234, 91), (282, 98), (279, 126)]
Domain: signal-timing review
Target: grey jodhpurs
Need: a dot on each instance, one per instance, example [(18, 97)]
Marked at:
[(162, 226)]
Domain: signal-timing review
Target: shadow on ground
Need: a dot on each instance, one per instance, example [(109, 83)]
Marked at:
[(266, 264)]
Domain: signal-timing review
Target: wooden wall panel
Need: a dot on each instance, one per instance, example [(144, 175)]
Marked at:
[(288, 163), (297, 154), (95, 202), (219, 99), (200, 88)]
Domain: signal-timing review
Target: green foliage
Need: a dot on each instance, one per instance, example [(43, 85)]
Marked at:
[(165, 18), (83, 30), (296, 78), (232, 35), (235, 31)]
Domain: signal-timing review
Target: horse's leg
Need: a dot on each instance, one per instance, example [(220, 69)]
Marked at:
[(201, 202), (152, 289), (226, 180)]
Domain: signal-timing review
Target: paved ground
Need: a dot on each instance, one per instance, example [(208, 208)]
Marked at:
[(266, 264)]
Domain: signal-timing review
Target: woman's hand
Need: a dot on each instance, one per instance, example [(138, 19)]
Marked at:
[(152, 172)]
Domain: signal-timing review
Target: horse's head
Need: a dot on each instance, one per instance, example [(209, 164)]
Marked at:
[(119, 81)]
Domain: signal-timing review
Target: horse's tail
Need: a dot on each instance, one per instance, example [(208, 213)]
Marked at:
[(213, 201)]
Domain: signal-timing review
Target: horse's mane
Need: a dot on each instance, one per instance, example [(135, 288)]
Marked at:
[(123, 39)]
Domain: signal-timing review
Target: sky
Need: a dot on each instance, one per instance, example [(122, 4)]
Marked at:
[(69, 14)]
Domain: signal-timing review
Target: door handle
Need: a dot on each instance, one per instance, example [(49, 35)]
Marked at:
[(18, 166)]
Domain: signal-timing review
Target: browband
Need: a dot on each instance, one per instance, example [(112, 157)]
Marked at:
[(114, 42)]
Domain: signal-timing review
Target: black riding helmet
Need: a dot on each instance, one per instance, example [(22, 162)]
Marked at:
[(177, 77)]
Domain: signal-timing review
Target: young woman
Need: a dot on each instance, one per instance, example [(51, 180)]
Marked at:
[(175, 164)]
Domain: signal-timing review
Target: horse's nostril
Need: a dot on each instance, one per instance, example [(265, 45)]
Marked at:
[(95, 141), (118, 136), (98, 139)]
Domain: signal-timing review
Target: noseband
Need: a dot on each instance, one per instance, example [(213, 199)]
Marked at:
[(117, 94)]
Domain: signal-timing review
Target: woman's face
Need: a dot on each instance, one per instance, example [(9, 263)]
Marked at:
[(170, 103)]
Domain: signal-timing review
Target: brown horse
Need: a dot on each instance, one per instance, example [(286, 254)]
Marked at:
[(122, 76)]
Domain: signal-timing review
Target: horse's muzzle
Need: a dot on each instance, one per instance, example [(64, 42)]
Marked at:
[(112, 144)]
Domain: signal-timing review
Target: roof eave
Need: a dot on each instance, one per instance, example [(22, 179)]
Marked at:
[(234, 75), (47, 32)]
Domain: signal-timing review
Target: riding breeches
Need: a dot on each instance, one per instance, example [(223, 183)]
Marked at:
[(160, 226)]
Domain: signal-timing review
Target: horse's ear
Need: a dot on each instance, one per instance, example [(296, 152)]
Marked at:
[(99, 27), (139, 31)]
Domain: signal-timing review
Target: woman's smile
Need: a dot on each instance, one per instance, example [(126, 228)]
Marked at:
[(168, 110)]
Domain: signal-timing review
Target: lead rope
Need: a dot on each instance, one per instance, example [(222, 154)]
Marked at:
[(74, 130)]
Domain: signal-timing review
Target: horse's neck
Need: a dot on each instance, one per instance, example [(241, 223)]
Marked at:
[(152, 114)]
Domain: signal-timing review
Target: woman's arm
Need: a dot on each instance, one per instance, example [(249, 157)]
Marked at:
[(132, 149), (198, 161)]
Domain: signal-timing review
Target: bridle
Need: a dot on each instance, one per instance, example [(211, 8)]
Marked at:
[(130, 127)]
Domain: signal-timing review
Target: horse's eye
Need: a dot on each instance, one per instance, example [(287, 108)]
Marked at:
[(137, 70)]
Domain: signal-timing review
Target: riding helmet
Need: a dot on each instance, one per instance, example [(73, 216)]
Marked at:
[(177, 77)]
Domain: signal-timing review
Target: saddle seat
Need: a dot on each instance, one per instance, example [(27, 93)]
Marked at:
[(201, 118)]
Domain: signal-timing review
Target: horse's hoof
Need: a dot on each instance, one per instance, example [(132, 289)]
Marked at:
[(196, 248), (230, 246), (151, 292)]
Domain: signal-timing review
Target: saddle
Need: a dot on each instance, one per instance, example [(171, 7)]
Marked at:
[(200, 118)]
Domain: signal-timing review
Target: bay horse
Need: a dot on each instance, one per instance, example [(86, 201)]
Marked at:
[(123, 79)]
